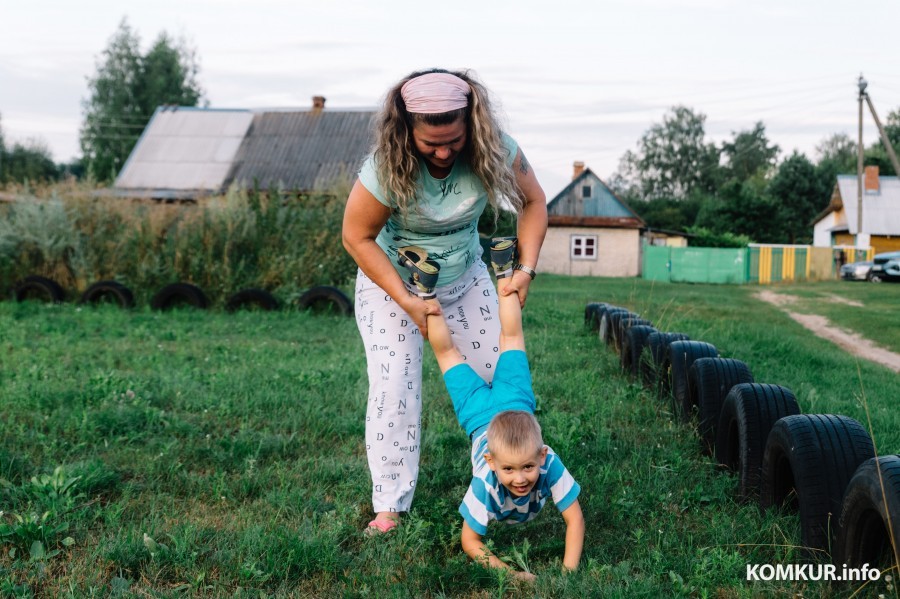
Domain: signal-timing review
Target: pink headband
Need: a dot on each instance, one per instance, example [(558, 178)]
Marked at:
[(434, 93)]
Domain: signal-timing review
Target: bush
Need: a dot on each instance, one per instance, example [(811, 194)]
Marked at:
[(703, 237), (242, 239)]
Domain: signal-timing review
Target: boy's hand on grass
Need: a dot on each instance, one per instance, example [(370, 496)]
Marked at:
[(526, 576)]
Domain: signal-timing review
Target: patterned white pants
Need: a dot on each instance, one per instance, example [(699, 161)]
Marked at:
[(393, 347)]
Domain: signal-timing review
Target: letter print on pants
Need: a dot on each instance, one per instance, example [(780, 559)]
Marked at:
[(394, 346)]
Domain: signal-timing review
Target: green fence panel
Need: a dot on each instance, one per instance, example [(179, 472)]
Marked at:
[(800, 264), (777, 256), (656, 263), (753, 265), (709, 265)]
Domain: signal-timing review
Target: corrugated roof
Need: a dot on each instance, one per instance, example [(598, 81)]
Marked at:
[(185, 149), (303, 150), (881, 211), (186, 152)]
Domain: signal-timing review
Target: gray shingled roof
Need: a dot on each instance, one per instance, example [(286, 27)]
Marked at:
[(186, 152)]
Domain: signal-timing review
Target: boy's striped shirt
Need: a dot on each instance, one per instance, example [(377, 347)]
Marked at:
[(487, 499)]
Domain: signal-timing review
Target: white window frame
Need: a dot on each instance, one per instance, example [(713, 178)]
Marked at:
[(590, 191), (583, 247)]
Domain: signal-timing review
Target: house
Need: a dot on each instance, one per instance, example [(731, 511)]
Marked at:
[(185, 153), (838, 224), (590, 231)]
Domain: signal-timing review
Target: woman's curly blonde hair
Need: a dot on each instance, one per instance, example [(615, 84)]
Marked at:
[(397, 160)]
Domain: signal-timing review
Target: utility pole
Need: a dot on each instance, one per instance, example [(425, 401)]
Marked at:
[(884, 137), (859, 162)]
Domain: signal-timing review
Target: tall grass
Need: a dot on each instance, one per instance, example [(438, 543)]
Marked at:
[(214, 455), (242, 239)]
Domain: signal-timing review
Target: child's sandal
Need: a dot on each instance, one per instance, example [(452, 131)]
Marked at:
[(503, 255), (423, 273)]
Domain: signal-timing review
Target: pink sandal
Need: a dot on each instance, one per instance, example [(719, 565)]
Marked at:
[(380, 527)]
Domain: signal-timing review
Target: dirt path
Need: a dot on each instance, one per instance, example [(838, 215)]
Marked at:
[(821, 326)]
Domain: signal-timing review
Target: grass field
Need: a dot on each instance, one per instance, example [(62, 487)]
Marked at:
[(207, 454)]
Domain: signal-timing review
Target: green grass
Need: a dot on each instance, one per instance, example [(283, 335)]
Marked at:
[(207, 454)]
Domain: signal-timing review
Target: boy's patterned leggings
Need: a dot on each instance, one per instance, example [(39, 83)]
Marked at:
[(393, 347)]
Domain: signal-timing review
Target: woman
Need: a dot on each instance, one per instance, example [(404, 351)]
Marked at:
[(439, 158)]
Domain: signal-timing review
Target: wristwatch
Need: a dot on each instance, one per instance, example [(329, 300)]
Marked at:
[(527, 270)]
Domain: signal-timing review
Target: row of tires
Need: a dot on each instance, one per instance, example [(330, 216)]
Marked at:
[(821, 465), (36, 287)]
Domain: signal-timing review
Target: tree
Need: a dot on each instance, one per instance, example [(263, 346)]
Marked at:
[(892, 128), (28, 162), (125, 91), (838, 149), (169, 71), (672, 159), (799, 195), (836, 155), (667, 213), (749, 153), (2, 153), (742, 208)]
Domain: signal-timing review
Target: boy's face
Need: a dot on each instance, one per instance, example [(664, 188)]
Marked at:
[(517, 471)]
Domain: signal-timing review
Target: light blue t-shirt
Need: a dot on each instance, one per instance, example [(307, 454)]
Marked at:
[(445, 219), (487, 499)]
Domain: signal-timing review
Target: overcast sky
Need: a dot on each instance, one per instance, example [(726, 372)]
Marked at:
[(575, 80)]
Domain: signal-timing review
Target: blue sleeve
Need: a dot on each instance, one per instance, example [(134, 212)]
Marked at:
[(369, 179), (474, 506), (511, 146), (563, 488)]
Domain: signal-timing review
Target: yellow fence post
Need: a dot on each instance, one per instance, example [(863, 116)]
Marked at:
[(787, 264), (765, 265)]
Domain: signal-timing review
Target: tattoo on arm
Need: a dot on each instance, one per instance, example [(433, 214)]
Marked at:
[(523, 164)]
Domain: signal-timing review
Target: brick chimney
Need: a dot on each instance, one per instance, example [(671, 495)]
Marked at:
[(871, 179), (318, 102), (578, 168)]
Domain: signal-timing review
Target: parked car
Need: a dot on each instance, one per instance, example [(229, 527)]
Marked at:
[(856, 271), (885, 267)]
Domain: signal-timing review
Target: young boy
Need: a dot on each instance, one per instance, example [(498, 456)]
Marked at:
[(513, 472)]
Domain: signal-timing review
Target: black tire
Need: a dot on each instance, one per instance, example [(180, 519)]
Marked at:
[(592, 315), (748, 414), (624, 325), (654, 357), (37, 287), (633, 344), (870, 515), (710, 381), (614, 322), (252, 298), (325, 298), (177, 294), (810, 460), (681, 356), (606, 325), (106, 291)]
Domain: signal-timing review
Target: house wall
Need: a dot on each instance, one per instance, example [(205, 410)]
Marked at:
[(822, 230), (885, 243), (618, 253)]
